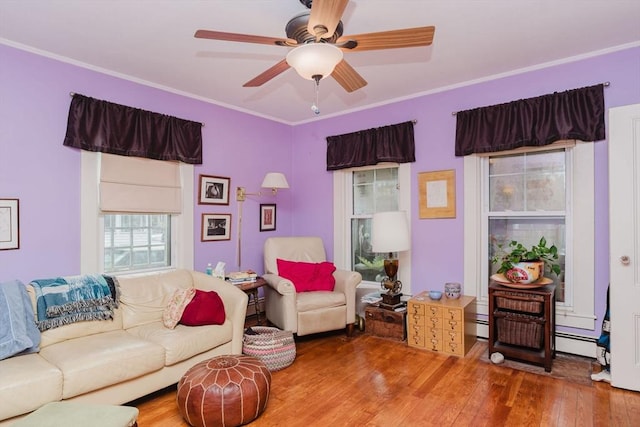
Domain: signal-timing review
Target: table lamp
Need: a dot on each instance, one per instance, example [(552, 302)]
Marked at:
[(390, 233)]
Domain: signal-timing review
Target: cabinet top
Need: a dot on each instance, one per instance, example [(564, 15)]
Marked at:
[(423, 297)]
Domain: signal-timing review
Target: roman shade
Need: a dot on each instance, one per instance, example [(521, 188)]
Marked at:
[(534, 122), (134, 184)]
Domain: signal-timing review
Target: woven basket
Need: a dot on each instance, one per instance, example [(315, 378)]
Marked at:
[(276, 348), (520, 329)]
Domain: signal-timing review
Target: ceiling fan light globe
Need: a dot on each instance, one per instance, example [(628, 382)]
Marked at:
[(314, 59)]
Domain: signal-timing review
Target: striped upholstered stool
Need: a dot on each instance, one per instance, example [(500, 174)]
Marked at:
[(224, 391), (76, 414)]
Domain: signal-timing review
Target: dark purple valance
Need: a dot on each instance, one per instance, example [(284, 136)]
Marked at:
[(393, 143), (96, 125), (574, 114)]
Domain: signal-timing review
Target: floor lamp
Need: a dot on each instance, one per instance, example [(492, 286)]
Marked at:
[(272, 180)]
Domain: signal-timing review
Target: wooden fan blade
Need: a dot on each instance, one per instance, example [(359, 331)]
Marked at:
[(325, 16), (272, 72), (408, 37), (245, 38), (348, 77)]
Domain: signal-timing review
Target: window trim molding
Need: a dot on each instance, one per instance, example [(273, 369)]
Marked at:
[(341, 227), (92, 222), (579, 313)]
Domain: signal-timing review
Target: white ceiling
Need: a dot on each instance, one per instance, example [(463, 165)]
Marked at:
[(152, 42)]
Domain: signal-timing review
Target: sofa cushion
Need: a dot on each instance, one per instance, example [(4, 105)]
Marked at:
[(26, 383), (308, 301), (143, 298), (308, 276), (206, 308), (96, 361), (173, 311), (184, 342)]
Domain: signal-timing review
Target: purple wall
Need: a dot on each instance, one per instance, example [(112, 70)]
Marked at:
[(37, 169), (437, 245), (44, 175)]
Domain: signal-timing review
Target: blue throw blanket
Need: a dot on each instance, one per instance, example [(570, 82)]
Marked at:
[(64, 300), (18, 331)]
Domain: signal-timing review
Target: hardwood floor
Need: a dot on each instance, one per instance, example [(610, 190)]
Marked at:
[(369, 381)]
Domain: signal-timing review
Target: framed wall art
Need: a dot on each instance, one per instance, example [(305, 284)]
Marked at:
[(437, 194), (214, 190), (216, 227), (9, 224), (267, 217)]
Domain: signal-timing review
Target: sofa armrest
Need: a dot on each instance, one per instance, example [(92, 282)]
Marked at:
[(235, 304), (346, 282), (279, 284)]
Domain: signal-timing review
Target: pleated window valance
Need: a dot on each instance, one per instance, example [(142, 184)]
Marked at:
[(393, 143), (574, 114), (96, 125), (134, 184)]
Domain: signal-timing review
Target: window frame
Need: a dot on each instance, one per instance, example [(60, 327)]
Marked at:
[(92, 221), (578, 312), (342, 200)]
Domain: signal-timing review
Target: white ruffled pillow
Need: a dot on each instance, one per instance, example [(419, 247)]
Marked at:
[(177, 303)]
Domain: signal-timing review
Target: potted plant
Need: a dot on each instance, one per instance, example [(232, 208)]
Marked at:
[(521, 264)]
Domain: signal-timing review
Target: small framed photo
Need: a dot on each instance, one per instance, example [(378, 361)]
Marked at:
[(216, 227), (9, 224), (267, 217), (214, 190), (437, 194)]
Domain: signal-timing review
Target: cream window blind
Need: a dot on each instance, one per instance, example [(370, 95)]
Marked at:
[(135, 184)]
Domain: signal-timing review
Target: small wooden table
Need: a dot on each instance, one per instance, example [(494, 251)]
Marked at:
[(251, 289)]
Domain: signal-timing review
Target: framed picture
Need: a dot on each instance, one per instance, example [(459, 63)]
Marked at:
[(216, 227), (214, 190), (9, 224), (437, 194), (267, 217)]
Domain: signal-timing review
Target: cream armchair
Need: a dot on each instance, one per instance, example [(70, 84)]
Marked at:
[(307, 312)]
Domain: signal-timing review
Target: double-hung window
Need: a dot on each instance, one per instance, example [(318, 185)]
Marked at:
[(358, 194), (524, 195)]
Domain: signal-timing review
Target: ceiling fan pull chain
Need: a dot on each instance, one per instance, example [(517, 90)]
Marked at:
[(314, 106)]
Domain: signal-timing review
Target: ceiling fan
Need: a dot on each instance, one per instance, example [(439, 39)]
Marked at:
[(319, 44)]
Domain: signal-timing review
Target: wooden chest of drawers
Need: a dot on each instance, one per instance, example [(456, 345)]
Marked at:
[(385, 323), (447, 325)]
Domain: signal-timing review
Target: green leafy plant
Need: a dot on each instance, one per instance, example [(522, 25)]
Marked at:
[(516, 252), (376, 264)]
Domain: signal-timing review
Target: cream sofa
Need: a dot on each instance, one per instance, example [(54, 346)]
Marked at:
[(118, 361)]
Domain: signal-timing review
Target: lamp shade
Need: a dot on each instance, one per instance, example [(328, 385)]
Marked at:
[(390, 232), (314, 59), (275, 180)]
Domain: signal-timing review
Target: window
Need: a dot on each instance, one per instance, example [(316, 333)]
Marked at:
[(111, 241), (526, 193), (526, 200), (136, 242), (373, 190), (358, 194)]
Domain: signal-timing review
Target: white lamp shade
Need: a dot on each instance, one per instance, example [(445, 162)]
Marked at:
[(390, 232), (275, 180), (314, 59)]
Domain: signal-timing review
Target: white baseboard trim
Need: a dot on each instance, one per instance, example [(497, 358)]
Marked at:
[(566, 343)]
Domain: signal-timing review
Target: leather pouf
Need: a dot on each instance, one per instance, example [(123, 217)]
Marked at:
[(224, 391)]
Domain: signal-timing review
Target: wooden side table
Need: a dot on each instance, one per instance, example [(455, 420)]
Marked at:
[(522, 323), (251, 289)]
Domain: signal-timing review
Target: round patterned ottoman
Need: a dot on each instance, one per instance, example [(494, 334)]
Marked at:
[(224, 391), (276, 348)]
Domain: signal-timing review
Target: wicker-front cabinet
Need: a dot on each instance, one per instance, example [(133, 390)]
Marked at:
[(447, 325)]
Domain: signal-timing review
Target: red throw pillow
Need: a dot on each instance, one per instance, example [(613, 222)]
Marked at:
[(308, 276), (206, 308)]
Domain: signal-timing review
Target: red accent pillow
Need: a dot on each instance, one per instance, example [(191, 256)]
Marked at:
[(308, 276), (206, 308)]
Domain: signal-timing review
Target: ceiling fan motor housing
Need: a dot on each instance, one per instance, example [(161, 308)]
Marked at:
[(297, 29)]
